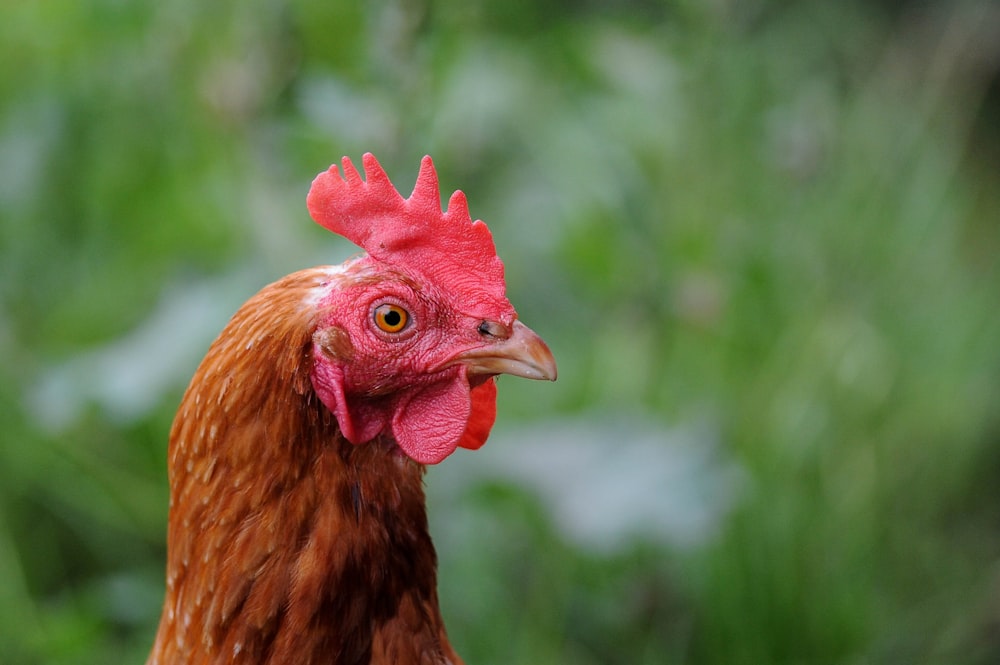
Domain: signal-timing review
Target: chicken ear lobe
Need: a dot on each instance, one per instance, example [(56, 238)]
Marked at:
[(359, 422)]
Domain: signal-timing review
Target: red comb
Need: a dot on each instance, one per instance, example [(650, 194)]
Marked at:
[(413, 233)]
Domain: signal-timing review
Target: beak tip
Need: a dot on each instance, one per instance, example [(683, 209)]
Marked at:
[(548, 371), (542, 362)]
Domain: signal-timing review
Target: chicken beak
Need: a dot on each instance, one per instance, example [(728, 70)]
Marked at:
[(522, 353)]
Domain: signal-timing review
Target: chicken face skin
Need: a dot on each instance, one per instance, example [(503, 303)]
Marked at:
[(427, 379)]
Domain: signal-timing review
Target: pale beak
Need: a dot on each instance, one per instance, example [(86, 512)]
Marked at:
[(522, 353)]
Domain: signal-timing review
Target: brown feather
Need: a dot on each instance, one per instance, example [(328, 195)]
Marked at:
[(286, 543)]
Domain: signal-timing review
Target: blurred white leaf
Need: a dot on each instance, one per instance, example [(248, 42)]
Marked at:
[(607, 481)]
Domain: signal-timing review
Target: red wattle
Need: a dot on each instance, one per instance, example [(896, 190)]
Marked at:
[(484, 413)]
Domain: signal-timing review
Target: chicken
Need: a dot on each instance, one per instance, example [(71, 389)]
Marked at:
[(297, 527)]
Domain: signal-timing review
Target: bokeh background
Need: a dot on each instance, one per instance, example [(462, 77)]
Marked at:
[(761, 237)]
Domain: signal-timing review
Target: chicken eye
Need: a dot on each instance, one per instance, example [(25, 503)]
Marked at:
[(391, 318)]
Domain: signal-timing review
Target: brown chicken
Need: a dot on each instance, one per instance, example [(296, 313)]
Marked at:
[(297, 530)]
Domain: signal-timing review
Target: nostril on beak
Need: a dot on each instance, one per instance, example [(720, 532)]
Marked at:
[(493, 329)]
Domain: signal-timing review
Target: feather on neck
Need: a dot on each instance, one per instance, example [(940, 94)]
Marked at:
[(286, 542)]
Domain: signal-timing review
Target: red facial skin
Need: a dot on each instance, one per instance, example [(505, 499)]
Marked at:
[(442, 268), (406, 383)]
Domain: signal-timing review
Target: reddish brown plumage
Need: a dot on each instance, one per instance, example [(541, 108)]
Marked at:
[(287, 543), (295, 537)]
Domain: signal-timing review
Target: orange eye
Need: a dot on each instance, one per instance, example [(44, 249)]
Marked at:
[(391, 318)]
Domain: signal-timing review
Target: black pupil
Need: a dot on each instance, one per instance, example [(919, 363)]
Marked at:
[(393, 318)]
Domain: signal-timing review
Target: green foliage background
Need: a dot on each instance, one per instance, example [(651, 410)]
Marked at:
[(777, 217)]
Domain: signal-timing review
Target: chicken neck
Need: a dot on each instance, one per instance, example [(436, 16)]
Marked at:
[(286, 543)]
